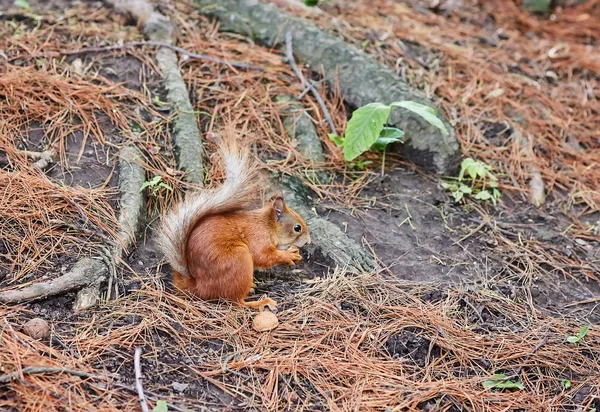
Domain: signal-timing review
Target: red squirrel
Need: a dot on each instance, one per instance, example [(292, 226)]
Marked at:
[(215, 239)]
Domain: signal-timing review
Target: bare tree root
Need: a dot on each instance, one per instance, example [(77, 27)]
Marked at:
[(85, 272), (328, 237), (360, 77), (186, 134), (88, 274)]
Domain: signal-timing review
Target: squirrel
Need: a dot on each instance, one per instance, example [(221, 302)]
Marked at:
[(214, 239)]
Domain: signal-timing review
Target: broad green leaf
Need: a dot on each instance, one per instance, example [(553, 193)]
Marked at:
[(364, 128), (339, 142), (458, 195), (23, 4), (573, 339), (425, 112), (311, 3), (155, 180), (388, 136), (382, 142), (392, 132), (465, 189), (583, 332), (565, 383), (161, 406)]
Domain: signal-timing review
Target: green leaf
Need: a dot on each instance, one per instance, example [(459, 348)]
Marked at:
[(464, 166), (164, 185), (537, 6), (583, 332), (388, 136), (483, 195), (425, 112), (392, 132), (497, 382), (161, 406), (465, 189), (311, 3), (364, 128), (458, 195), (573, 339), (339, 142), (23, 4), (565, 383)]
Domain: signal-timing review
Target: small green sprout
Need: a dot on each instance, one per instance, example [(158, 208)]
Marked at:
[(579, 337), (156, 184)]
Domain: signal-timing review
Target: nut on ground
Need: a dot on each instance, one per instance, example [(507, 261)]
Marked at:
[(265, 321), (37, 328)]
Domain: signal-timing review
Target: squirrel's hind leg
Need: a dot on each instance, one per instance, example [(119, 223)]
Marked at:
[(260, 304)]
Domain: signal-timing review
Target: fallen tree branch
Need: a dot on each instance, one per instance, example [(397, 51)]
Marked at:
[(289, 54), (138, 379)]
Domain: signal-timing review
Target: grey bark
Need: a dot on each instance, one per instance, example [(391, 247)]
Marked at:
[(298, 124), (186, 134), (361, 78), (85, 272), (329, 238), (132, 202)]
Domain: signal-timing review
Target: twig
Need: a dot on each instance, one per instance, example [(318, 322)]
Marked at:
[(584, 302), (153, 43), (484, 222), (31, 370), (138, 379), (289, 54)]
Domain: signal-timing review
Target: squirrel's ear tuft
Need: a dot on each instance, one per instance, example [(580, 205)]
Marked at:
[(278, 206)]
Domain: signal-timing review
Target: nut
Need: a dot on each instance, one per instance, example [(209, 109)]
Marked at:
[(265, 321), (37, 328)]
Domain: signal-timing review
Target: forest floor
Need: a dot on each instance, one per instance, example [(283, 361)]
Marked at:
[(461, 291)]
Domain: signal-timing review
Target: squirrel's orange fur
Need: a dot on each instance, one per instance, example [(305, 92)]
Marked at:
[(214, 240)]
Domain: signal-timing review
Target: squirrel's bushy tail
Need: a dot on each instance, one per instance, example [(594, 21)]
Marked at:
[(239, 190)]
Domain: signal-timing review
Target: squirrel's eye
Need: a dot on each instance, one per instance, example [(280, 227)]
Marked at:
[(297, 228)]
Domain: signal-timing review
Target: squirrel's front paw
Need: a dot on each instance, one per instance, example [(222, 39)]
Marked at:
[(292, 257)]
